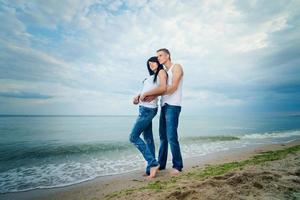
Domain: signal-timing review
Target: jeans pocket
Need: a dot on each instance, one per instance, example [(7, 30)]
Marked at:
[(148, 112), (175, 109)]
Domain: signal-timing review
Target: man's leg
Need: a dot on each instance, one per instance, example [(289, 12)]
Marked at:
[(172, 117), (163, 149)]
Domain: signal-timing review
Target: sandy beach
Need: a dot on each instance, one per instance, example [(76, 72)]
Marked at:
[(266, 180)]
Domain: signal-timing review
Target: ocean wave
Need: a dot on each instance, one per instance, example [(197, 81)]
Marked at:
[(66, 173), (12, 152), (270, 135), (19, 151), (63, 172), (210, 138)]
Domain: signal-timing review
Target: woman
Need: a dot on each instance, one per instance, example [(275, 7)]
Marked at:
[(154, 84)]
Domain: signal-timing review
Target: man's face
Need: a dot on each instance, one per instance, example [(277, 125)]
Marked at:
[(162, 57)]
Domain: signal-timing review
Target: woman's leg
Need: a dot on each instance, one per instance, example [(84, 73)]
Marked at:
[(144, 119), (148, 137)]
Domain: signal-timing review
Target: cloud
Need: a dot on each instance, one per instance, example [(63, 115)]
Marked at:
[(93, 53)]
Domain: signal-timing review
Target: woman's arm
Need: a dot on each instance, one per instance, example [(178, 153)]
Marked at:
[(162, 88)]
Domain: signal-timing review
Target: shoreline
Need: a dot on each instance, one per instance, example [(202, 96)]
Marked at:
[(101, 186)]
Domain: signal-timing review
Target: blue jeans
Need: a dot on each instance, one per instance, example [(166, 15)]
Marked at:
[(144, 124), (168, 124)]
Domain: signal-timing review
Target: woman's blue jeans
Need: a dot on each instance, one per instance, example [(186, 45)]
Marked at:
[(143, 125)]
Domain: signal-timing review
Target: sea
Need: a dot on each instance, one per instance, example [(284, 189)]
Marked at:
[(55, 151)]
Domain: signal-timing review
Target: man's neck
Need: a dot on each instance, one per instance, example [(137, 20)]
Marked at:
[(168, 64)]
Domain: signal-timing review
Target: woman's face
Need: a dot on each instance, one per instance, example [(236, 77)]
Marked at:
[(153, 66)]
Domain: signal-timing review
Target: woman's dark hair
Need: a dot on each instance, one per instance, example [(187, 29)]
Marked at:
[(159, 67)]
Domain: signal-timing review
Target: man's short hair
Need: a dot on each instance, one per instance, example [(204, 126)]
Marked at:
[(166, 51)]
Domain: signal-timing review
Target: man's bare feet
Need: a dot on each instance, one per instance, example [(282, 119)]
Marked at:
[(174, 172), (153, 171)]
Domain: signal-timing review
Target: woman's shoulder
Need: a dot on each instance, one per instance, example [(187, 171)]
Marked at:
[(162, 71)]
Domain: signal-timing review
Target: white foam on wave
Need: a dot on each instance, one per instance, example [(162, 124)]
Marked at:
[(270, 135), (203, 149), (64, 174)]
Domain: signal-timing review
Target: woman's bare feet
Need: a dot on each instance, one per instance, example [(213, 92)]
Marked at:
[(145, 174), (153, 171), (174, 172)]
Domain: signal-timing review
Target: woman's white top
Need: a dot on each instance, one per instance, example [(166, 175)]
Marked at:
[(149, 85)]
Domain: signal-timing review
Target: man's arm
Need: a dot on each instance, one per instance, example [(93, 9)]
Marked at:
[(150, 98), (177, 76), (162, 88)]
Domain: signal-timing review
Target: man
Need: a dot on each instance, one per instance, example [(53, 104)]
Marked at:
[(170, 110)]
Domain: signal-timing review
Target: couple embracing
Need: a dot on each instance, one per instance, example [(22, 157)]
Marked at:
[(165, 80)]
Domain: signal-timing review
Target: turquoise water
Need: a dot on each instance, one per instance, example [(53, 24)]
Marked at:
[(54, 151)]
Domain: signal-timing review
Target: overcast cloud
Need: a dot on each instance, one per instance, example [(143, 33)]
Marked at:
[(88, 57)]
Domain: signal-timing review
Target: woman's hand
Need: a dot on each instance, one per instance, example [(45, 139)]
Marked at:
[(136, 99), (142, 97)]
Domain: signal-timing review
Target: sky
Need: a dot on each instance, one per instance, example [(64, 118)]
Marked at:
[(76, 57)]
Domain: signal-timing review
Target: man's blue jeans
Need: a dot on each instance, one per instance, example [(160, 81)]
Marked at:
[(168, 124), (144, 124)]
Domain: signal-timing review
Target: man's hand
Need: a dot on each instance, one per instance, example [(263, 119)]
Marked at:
[(136, 100), (149, 98)]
